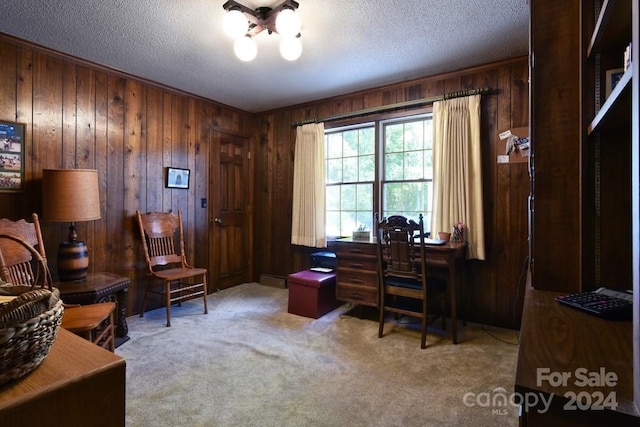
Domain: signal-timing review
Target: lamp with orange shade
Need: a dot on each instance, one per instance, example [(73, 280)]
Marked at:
[(71, 195)]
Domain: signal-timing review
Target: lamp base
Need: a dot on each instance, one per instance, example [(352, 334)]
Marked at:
[(73, 261)]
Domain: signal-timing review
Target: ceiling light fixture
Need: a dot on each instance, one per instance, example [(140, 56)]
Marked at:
[(242, 24)]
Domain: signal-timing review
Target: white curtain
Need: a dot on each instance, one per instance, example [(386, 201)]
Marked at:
[(457, 175), (308, 216)]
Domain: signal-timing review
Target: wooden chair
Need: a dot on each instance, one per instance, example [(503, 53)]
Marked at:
[(403, 285), (23, 261), (160, 232)]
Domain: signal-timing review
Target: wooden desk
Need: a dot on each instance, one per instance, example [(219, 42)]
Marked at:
[(449, 256), (78, 383), (357, 276), (101, 287), (556, 340)]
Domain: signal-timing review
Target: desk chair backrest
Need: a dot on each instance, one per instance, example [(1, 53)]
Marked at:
[(402, 254), (23, 260), (161, 231)]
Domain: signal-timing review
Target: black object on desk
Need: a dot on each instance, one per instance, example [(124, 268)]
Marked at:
[(603, 302), (323, 262)]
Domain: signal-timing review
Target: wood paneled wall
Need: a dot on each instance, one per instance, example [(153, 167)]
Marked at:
[(80, 115), (493, 294)]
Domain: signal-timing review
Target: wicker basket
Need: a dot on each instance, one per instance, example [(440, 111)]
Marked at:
[(29, 325)]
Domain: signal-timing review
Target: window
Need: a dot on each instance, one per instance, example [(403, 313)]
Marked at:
[(384, 166), (407, 183), (350, 170)]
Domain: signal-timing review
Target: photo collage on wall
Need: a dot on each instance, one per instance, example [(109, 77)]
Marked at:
[(11, 155)]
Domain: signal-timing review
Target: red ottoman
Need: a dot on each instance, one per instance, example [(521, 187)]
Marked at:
[(312, 294)]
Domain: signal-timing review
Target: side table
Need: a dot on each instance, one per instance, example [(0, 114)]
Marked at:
[(101, 287)]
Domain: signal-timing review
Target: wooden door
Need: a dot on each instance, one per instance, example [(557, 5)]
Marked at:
[(230, 211)]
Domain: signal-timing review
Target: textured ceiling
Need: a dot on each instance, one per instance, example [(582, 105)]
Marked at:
[(347, 44)]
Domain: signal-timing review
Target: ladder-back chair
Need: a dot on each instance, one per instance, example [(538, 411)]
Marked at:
[(160, 232), (403, 284)]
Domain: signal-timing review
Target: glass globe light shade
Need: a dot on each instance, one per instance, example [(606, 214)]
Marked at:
[(235, 24), (288, 23), (245, 48), (290, 48)]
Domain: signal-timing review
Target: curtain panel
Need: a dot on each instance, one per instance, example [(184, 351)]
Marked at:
[(308, 216), (457, 188)]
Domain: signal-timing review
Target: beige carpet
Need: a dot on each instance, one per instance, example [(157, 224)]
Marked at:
[(250, 363)]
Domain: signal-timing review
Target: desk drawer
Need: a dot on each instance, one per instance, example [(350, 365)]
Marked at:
[(358, 278), (348, 249), (366, 264), (364, 295)]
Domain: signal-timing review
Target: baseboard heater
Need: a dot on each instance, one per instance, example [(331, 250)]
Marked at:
[(273, 281)]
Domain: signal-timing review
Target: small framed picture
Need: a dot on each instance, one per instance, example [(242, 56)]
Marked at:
[(11, 156), (177, 178), (613, 77)]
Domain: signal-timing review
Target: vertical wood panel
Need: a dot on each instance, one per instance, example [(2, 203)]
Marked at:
[(24, 114), (84, 132), (179, 158), (8, 74), (133, 160), (201, 132), (69, 124), (152, 156), (47, 136), (165, 159), (191, 161), (98, 261), (114, 215), (8, 89), (484, 279), (85, 118)]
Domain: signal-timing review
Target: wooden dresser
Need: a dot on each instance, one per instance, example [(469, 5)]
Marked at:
[(77, 384), (357, 271)]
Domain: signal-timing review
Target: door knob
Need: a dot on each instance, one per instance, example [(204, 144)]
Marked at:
[(218, 221)]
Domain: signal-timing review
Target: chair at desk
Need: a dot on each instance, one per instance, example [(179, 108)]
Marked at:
[(403, 283), (160, 232), (24, 262)]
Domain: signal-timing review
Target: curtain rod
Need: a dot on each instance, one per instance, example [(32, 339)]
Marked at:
[(399, 105)]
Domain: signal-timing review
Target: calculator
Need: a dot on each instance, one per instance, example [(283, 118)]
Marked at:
[(604, 302)]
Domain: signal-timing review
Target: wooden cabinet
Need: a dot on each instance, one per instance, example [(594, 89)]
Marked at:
[(584, 153), (356, 272), (585, 209)]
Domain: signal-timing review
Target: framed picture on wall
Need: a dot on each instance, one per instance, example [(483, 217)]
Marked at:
[(177, 178), (11, 156)]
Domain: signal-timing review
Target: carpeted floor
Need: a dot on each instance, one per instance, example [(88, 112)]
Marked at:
[(250, 363)]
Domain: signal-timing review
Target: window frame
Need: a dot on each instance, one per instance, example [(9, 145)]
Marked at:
[(377, 121)]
